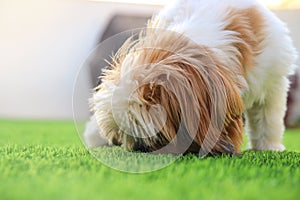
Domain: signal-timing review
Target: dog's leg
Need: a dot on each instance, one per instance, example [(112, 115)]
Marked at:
[(92, 135), (264, 120)]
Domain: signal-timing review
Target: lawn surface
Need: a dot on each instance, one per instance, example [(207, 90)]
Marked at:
[(46, 160)]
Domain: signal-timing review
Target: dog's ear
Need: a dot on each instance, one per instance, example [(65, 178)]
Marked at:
[(231, 135), (209, 104), (224, 134)]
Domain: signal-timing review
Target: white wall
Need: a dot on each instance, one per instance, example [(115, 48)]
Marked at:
[(42, 45)]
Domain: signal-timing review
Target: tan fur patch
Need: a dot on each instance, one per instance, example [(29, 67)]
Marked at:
[(249, 23)]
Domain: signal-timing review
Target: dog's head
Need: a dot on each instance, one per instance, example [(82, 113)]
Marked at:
[(165, 93)]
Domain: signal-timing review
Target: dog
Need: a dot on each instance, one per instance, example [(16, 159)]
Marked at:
[(185, 84)]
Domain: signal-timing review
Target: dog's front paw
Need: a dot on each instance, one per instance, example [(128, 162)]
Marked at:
[(92, 136), (266, 146)]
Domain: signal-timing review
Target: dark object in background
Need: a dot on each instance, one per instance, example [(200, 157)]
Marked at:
[(120, 23), (291, 98), (117, 24)]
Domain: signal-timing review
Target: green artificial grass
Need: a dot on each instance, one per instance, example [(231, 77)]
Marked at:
[(46, 160)]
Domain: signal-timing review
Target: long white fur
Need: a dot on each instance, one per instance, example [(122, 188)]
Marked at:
[(266, 83)]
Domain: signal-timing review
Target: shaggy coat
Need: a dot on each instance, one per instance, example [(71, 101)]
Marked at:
[(184, 84)]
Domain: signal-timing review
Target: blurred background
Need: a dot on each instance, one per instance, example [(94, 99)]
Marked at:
[(44, 43)]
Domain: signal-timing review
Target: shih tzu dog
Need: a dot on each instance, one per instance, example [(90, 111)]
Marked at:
[(184, 84)]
